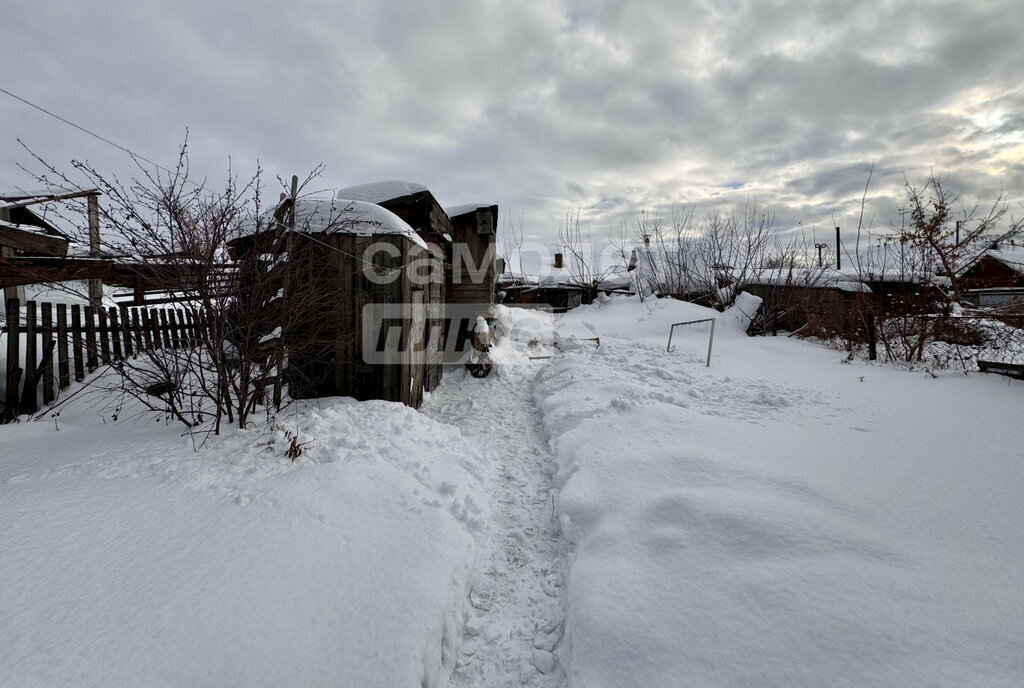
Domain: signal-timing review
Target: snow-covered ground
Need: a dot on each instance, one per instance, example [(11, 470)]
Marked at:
[(617, 515), (782, 518), (130, 560)]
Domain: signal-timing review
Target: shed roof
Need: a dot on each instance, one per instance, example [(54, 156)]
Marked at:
[(466, 208), (344, 216), (379, 192), (351, 216)]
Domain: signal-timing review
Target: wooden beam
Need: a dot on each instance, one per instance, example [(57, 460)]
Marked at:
[(22, 202), (17, 237), (18, 270)]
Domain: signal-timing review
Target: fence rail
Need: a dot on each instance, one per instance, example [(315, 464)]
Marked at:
[(57, 349)]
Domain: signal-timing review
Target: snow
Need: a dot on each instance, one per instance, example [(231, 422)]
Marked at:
[(803, 277), (517, 597), (379, 192), (131, 560), (351, 217), (457, 210), (782, 518), (1013, 256), (591, 514)]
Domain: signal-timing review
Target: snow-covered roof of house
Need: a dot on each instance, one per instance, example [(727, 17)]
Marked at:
[(379, 192), (344, 216), (456, 211), (1011, 256), (548, 276), (822, 278)]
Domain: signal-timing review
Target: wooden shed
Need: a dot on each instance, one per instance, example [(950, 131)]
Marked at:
[(473, 256), (378, 287)]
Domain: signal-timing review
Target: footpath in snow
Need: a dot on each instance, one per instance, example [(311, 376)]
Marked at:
[(784, 517), (516, 611)]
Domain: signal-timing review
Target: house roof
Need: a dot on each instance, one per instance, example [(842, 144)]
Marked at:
[(1010, 256), (819, 278)]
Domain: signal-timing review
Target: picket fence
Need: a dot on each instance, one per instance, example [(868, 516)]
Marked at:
[(53, 344)]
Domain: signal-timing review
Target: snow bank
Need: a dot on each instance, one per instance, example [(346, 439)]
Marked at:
[(131, 560), (780, 519), (650, 320)]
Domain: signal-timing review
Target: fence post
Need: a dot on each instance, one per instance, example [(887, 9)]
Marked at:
[(13, 358), (91, 357), (115, 333), (48, 343), (872, 339), (63, 362), (76, 341), (29, 403), (104, 333)]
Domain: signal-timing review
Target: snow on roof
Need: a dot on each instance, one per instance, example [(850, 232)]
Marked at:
[(379, 192), (458, 210), (821, 278), (1013, 256), (345, 216)]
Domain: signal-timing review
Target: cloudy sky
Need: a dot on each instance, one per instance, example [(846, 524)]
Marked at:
[(541, 106)]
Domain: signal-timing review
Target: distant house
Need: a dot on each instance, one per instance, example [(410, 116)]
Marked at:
[(552, 285), (996, 278), (792, 298)]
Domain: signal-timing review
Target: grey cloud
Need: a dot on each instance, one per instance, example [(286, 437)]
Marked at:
[(607, 106)]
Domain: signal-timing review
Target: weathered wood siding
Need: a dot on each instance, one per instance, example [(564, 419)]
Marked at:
[(475, 232)]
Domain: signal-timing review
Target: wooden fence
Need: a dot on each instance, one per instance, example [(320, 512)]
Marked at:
[(64, 343)]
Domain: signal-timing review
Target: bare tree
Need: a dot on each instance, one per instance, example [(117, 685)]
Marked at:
[(174, 232)]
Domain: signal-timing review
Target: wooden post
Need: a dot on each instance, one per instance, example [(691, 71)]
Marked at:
[(129, 335), (13, 358), (63, 361), (92, 360), (7, 252), (872, 339), (47, 330), (29, 403), (95, 285), (165, 330), (76, 341), (142, 318), (115, 333), (104, 333)]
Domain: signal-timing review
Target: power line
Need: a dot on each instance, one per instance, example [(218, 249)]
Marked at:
[(147, 160), (86, 131)]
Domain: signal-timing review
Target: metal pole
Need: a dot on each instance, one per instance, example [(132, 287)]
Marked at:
[(839, 260), (711, 340)]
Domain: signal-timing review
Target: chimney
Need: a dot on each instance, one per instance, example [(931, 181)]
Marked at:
[(558, 260)]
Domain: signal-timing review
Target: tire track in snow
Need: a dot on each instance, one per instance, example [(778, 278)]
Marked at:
[(517, 600)]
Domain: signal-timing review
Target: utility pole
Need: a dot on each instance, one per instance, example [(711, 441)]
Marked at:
[(839, 259), (95, 285)]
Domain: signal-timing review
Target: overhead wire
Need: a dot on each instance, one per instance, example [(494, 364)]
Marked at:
[(158, 166)]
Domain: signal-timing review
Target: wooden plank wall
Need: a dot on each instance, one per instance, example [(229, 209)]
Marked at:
[(59, 348)]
